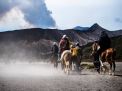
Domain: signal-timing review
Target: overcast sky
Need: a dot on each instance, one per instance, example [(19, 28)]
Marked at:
[(62, 14)]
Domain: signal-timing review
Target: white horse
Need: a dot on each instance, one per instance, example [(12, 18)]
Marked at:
[(66, 62)]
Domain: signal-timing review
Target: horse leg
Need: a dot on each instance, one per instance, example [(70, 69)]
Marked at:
[(54, 65), (73, 63), (68, 70), (114, 58), (78, 59), (110, 71), (70, 64), (62, 64), (56, 62), (114, 66), (97, 62), (67, 67), (76, 63), (77, 66)]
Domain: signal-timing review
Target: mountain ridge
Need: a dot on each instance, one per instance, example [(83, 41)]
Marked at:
[(31, 42), (83, 37)]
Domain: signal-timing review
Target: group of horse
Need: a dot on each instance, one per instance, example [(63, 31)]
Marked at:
[(106, 56), (69, 59)]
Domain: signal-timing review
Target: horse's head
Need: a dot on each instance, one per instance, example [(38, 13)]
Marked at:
[(72, 48)]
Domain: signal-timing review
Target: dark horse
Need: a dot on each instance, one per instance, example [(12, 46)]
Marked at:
[(106, 56), (54, 60)]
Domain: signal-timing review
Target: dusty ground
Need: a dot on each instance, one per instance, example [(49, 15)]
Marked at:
[(43, 77)]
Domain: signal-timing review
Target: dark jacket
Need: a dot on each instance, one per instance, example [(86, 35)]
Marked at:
[(104, 41), (55, 49), (67, 47), (79, 50)]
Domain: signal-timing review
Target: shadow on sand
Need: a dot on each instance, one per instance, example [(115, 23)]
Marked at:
[(119, 75)]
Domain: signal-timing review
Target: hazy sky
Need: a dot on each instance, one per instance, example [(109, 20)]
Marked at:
[(62, 14), (70, 13)]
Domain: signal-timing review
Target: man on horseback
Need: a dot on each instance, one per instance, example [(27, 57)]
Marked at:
[(55, 50), (95, 48), (104, 43), (79, 54), (64, 44)]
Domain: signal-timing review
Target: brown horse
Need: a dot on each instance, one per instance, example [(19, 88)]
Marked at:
[(106, 56), (76, 57), (66, 61)]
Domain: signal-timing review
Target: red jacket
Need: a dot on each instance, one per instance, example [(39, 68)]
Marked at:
[(64, 44)]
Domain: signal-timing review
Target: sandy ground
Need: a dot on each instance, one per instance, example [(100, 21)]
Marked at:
[(43, 77)]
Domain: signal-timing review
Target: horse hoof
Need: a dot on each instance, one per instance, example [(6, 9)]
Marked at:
[(110, 73), (99, 73), (113, 74), (68, 73)]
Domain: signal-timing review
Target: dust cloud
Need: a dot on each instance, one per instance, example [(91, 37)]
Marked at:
[(26, 69)]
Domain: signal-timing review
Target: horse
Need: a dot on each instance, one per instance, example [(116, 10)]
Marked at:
[(76, 57), (106, 56), (66, 62), (71, 56), (54, 60)]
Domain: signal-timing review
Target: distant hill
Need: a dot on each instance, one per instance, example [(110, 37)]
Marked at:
[(32, 42), (81, 28)]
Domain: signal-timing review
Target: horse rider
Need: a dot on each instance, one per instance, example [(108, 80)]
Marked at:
[(64, 44), (79, 50), (55, 50), (104, 43), (79, 54), (94, 53)]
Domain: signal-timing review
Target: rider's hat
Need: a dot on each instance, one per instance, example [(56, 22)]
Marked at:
[(64, 36), (54, 43)]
